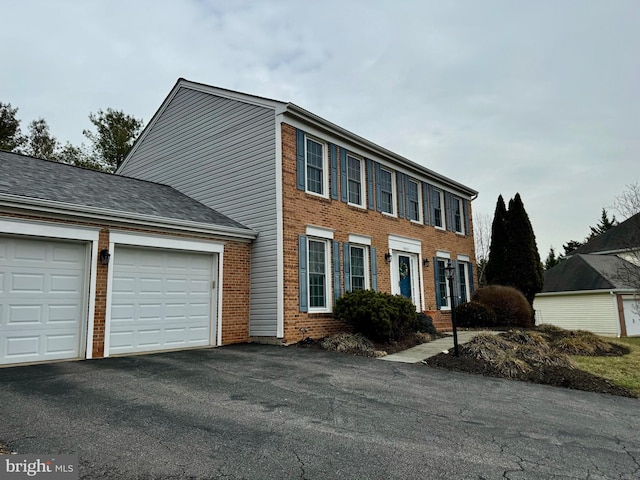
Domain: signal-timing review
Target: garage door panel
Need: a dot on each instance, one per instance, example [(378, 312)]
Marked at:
[(161, 300), (42, 299)]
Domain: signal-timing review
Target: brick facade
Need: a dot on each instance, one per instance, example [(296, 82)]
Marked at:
[(301, 209), (235, 288)]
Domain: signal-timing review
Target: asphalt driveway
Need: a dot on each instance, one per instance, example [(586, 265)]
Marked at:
[(267, 412)]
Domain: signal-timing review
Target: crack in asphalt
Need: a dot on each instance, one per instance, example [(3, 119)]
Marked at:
[(630, 454), (302, 472)]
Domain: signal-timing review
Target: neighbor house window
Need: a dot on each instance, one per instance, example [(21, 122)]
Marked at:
[(355, 180), (413, 201), (437, 202), (457, 215), (359, 261), (318, 274), (316, 161), (386, 191)]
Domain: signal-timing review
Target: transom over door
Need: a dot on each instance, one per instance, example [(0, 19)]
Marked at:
[(161, 300)]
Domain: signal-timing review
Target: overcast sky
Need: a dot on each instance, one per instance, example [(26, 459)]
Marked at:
[(537, 97)]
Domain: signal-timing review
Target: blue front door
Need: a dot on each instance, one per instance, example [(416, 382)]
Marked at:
[(404, 271)]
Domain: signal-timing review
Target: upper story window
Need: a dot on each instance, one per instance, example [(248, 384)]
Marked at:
[(386, 191), (355, 181), (457, 215), (437, 203), (316, 166), (413, 201)]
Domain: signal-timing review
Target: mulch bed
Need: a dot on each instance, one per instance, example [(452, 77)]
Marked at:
[(548, 375)]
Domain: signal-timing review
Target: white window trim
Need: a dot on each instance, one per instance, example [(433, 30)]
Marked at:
[(320, 232), (363, 182), (367, 269), (325, 167), (398, 245), (444, 256), (443, 211), (453, 213), (394, 193), (467, 266), (419, 191), (328, 276), (361, 239)]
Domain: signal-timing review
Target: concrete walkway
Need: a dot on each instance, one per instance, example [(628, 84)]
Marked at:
[(433, 348)]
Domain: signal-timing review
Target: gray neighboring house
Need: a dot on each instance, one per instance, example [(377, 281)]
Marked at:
[(596, 288), (94, 265)]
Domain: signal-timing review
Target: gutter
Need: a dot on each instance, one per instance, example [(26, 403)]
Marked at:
[(586, 292), (308, 117), (94, 213)]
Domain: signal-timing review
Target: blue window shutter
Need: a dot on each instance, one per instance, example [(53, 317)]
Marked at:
[(456, 281), (435, 198), (303, 287), (425, 204), (300, 163), (378, 188), (347, 267), (370, 183), (448, 210), (400, 182), (337, 288), (343, 174), (334, 171), (406, 195), (436, 273), (374, 269), (466, 209), (470, 270)]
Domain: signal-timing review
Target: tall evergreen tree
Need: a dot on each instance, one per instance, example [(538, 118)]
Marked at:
[(495, 268), (552, 259), (603, 225), (11, 137), (524, 270)]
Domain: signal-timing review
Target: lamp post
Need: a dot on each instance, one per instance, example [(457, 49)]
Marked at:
[(450, 271)]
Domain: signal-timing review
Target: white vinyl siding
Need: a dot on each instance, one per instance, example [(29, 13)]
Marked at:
[(595, 312), (222, 153)]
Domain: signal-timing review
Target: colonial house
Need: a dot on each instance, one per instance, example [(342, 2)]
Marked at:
[(334, 211), (597, 287)]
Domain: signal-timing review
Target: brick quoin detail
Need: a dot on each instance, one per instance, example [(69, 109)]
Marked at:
[(301, 209)]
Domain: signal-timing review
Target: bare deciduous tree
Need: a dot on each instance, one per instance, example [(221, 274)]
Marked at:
[(627, 204), (482, 237)]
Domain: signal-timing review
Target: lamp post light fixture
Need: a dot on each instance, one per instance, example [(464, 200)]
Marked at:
[(450, 272), (104, 256)]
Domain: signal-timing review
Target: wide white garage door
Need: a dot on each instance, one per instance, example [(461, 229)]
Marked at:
[(42, 299), (161, 300)]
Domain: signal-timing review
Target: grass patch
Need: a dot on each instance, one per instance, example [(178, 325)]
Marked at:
[(623, 371)]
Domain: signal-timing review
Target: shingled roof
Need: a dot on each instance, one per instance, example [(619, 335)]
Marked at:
[(584, 272), (624, 236), (34, 178)]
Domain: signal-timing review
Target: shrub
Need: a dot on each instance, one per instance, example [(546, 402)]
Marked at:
[(474, 314), (378, 316), (353, 343), (425, 324), (509, 304)]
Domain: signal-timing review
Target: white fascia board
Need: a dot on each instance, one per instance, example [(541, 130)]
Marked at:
[(586, 292), (320, 232), (95, 213), (359, 239), (38, 228), (155, 241), (369, 148)]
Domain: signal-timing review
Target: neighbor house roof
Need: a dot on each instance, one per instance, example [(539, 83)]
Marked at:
[(588, 272), (624, 236), (32, 181)]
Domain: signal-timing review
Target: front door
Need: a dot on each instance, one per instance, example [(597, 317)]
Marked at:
[(404, 274)]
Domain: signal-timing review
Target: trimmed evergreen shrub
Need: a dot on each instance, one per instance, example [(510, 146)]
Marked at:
[(509, 304), (378, 316), (474, 314), (425, 324)]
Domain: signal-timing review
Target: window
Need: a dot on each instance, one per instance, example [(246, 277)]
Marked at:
[(437, 202), (441, 284), (316, 166), (463, 281), (318, 275), (413, 201), (386, 191), (359, 267), (457, 215), (355, 181)]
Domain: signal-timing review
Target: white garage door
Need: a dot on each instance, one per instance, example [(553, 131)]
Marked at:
[(42, 299), (161, 300), (632, 316)]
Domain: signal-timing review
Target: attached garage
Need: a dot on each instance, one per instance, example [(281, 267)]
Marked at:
[(631, 309)]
